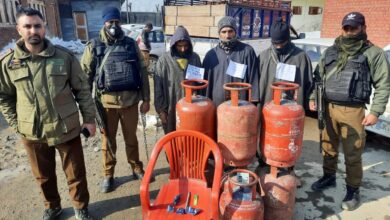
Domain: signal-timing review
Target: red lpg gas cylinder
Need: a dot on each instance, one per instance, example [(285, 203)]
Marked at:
[(240, 200), (279, 195), (237, 127), (197, 112), (282, 130)]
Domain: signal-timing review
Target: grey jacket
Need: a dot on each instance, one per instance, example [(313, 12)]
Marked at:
[(167, 88), (303, 77)]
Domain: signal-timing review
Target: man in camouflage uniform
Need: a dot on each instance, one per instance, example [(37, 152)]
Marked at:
[(40, 87)]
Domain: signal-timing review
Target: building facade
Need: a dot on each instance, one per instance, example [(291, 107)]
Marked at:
[(82, 19), (307, 15)]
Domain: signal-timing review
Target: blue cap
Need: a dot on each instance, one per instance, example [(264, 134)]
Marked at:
[(111, 13)]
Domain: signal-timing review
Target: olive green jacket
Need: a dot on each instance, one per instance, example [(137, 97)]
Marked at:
[(116, 99), (380, 75), (39, 94)]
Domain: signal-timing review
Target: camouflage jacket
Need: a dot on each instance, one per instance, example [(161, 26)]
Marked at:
[(39, 93)]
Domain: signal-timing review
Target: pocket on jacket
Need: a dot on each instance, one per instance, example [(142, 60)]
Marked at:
[(25, 117), (57, 74), (69, 114), (19, 75)]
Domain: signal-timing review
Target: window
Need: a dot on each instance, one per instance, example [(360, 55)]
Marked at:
[(159, 36), (80, 20), (297, 10), (315, 10), (38, 5), (8, 12)]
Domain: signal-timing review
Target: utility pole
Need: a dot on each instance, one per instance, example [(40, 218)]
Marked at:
[(127, 11)]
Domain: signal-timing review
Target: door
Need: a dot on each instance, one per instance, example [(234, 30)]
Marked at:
[(81, 27)]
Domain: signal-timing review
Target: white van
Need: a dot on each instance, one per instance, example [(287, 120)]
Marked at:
[(383, 125)]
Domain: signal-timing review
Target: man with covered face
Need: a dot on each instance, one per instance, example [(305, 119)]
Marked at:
[(281, 56), (170, 72), (115, 65), (348, 70), (230, 51)]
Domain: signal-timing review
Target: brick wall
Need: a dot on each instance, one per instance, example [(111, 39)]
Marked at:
[(377, 14)]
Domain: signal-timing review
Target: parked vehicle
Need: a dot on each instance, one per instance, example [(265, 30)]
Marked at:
[(387, 50), (254, 18), (382, 127), (157, 42), (314, 47), (127, 28)]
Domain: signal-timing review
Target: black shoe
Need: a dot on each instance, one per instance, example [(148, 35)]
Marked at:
[(352, 199), (82, 214), (138, 175), (52, 213), (328, 180), (107, 185)]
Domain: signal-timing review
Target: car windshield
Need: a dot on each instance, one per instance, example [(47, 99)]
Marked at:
[(156, 36), (313, 51)]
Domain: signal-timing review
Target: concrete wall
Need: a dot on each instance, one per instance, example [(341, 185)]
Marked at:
[(376, 13), (306, 22)]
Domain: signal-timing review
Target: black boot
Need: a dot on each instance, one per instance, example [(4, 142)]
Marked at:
[(328, 180), (107, 185), (52, 213), (352, 199)]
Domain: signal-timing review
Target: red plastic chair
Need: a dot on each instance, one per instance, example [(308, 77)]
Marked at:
[(187, 152)]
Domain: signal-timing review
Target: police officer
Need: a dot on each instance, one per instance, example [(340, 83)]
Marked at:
[(348, 70), (115, 63), (40, 87)]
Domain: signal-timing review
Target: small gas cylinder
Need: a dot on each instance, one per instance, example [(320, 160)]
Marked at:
[(240, 200), (279, 195)]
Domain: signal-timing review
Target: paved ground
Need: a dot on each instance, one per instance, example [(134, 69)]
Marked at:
[(21, 199)]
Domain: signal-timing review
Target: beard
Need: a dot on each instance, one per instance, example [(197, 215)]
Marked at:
[(34, 40)]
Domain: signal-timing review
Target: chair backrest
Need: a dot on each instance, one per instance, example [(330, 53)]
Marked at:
[(187, 153)]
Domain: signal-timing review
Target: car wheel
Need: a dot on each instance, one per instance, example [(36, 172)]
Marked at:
[(152, 65)]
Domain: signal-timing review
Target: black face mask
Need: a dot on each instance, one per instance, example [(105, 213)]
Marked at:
[(114, 31), (353, 39), (284, 50)]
